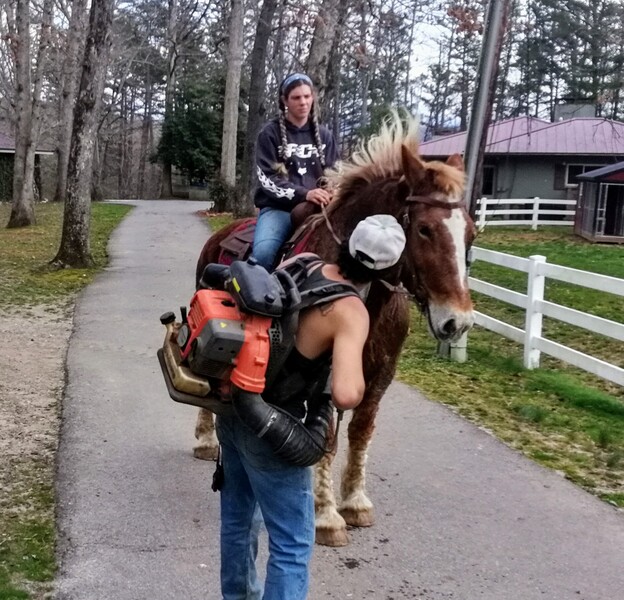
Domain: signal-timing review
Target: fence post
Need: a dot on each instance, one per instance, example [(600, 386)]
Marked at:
[(535, 215), (482, 208), (533, 318)]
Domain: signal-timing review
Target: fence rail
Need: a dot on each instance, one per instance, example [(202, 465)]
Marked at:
[(536, 307), (491, 212)]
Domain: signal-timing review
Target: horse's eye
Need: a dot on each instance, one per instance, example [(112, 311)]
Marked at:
[(424, 232)]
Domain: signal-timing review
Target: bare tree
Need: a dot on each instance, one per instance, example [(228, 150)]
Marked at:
[(69, 77), (75, 249), (322, 41), (257, 110), (28, 105), (166, 190), (232, 94)]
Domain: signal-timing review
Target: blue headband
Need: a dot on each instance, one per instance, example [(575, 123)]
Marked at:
[(295, 77)]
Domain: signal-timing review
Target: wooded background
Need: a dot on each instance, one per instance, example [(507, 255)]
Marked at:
[(186, 84)]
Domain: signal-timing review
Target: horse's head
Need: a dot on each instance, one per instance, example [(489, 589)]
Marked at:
[(439, 234), (386, 176)]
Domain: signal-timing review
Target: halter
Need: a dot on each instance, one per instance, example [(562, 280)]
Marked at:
[(397, 289), (405, 222), (429, 201)]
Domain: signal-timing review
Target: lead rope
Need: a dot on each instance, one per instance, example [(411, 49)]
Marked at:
[(340, 414), (329, 225)]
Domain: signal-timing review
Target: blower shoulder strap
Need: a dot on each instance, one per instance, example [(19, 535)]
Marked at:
[(314, 287)]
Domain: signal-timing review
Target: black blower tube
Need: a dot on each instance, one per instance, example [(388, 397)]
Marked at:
[(301, 444)]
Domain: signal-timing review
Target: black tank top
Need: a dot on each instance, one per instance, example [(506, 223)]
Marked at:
[(301, 379)]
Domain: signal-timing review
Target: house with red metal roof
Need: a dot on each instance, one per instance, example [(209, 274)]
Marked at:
[(528, 157)]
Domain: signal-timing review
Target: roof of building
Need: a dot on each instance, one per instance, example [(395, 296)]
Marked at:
[(610, 174), (528, 135), (7, 146)]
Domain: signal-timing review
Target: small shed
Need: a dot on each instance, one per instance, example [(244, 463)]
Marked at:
[(600, 208)]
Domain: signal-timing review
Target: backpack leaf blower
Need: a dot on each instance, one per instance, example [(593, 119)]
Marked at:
[(239, 329)]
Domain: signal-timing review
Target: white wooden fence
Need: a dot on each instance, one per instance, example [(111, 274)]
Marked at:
[(493, 212), (535, 307)]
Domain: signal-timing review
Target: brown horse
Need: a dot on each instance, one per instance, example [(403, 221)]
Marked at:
[(384, 176)]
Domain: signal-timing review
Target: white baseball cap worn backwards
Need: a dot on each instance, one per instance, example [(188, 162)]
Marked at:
[(377, 242)]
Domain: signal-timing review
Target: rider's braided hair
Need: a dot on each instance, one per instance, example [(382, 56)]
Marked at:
[(288, 85)]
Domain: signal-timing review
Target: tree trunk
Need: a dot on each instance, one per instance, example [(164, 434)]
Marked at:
[(146, 128), (22, 209), (232, 94), (320, 48), (73, 47), (75, 249), (257, 88), (166, 190)]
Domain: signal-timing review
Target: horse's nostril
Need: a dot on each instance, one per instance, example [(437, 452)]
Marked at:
[(450, 327)]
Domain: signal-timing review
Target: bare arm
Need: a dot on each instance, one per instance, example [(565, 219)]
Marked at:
[(351, 327)]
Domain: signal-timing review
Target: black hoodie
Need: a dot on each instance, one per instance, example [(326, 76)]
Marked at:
[(304, 166)]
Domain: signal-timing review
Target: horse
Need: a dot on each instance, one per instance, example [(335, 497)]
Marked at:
[(384, 175)]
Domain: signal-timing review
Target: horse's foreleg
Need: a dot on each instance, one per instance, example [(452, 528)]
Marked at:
[(356, 508), (331, 529), (207, 446)]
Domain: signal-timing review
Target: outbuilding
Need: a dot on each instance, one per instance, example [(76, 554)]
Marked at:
[(600, 208)]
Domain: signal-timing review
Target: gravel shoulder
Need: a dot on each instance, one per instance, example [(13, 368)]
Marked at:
[(32, 377)]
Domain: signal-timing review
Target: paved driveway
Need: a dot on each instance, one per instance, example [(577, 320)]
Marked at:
[(459, 515)]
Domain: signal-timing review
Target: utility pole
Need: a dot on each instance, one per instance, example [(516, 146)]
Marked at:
[(493, 31)]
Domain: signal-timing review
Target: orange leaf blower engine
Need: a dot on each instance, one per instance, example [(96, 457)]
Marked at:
[(235, 324)]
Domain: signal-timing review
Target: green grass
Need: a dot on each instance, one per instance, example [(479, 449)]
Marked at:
[(25, 274), (27, 527)]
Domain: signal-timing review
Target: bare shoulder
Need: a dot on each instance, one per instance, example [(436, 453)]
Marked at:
[(351, 309)]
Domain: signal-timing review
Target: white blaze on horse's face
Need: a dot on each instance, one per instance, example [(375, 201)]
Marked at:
[(452, 315)]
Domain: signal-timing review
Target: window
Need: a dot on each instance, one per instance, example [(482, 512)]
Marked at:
[(487, 187), (573, 170)]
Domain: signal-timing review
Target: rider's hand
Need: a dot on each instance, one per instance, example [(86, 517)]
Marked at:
[(318, 196)]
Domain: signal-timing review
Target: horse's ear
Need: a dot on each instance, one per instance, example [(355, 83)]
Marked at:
[(455, 160), (413, 168)]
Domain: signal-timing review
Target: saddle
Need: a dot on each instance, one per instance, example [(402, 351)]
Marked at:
[(239, 244)]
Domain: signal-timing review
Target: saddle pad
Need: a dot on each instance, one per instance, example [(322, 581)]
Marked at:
[(238, 245)]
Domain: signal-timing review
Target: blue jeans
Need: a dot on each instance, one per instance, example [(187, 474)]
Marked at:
[(254, 478), (272, 230)]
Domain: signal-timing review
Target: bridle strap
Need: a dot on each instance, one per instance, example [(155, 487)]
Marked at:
[(396, 289), (429, 201)]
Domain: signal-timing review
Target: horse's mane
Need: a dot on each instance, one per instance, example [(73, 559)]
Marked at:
[(380, 158)]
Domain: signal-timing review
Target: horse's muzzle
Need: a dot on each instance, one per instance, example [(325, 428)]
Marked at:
[(447, 325)]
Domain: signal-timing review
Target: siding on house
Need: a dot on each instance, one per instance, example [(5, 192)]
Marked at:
[(530, 176)]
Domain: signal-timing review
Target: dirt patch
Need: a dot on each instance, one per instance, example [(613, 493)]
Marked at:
[(32, 375)]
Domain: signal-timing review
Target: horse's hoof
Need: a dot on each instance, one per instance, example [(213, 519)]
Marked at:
[(358, 518), (332, 537), (205, 452)]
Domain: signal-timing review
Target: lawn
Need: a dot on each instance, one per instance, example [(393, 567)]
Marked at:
[(25, 275)]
